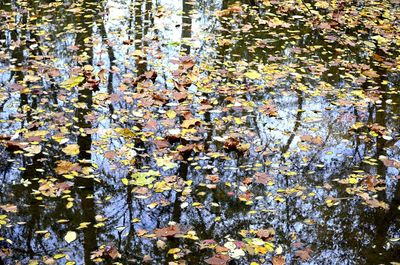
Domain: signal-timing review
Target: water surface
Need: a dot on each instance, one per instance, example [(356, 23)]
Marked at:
[(195, 132)]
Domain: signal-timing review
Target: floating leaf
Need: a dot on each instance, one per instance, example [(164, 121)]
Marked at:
[(278, 260), (167, 231), (72, 82), (218, 259), (71, 149), (252, 74), (70, 236), (9, 208), (33, 149)]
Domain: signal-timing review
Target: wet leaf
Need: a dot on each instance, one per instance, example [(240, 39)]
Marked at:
[(278, 260), (72, 82), (9, 208), (304, 254), (218, 259), (71, 149), (167, 231), (70, 236), (252, 75)]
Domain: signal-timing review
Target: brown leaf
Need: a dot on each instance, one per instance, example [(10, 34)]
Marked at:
[(218, 259), (187, 62), (9, 208), (267, 234), (110, 154), (15, 145), (278, 260), (370, 73), (5, 137), (269, 110), (304, 254), (190, 122), (147, 259), (113, 252), (312, 139), (65, 167), (179, 95), (213, 178), (231, 143), (263, 178), (390, 162), (168, 231), (161, 144), (221, 249)]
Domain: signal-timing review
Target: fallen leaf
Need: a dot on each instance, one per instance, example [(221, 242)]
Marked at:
[(167, 231), (71, 149), (218, 259), (278, 260), (70, 236), (252, 74), (9, 208), (304, 254)]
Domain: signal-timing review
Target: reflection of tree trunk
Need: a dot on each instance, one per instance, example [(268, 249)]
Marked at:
[(18, 55), (141, 63), (148, 14), (86, 185), (177, 210), (187, 8), (111, 58), (300, 99), (131, 232), (34, 208), (383, 220)]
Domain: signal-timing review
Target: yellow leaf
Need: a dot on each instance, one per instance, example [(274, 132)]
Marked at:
[(59, 256), (125, 181), (69, 205), (252, 74), (174, 250), (71, 149), (322, 4), (70, 236), (171, 114), (72, 82)]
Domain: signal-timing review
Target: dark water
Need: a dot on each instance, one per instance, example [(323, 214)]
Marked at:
[(311, 94)]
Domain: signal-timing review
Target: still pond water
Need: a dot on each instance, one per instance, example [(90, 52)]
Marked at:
[(199, 132)]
